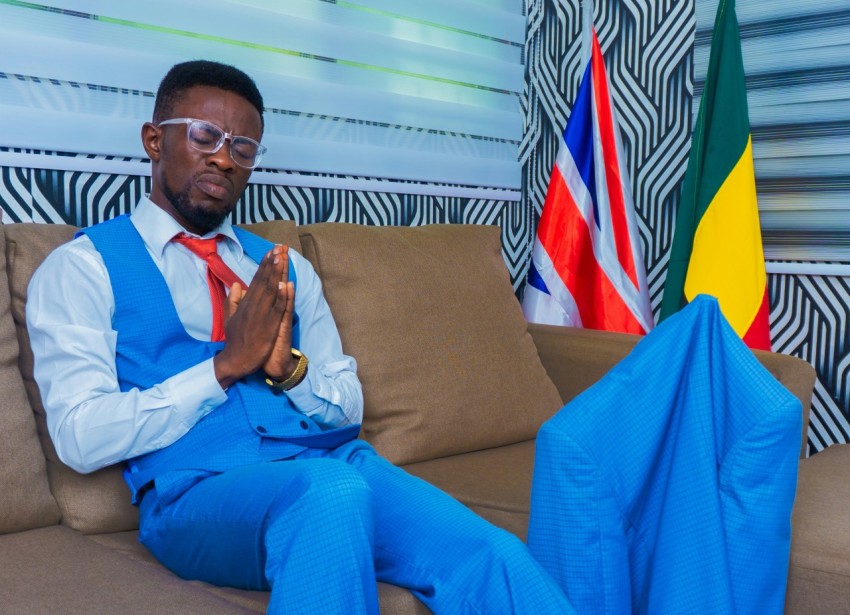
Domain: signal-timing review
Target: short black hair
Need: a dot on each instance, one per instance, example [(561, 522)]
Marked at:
[(186, 75)]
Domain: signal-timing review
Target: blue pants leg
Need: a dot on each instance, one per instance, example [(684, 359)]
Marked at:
[(449, 557), (303, 529), (319, 531)]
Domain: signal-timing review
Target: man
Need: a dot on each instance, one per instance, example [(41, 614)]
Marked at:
[(238, 417)]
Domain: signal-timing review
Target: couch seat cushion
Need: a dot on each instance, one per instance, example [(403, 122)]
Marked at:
[(442, 347), (58, 570), (820, 542), (394, 600), (495, 483)]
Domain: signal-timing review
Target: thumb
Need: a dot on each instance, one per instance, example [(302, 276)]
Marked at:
[(233, 299)]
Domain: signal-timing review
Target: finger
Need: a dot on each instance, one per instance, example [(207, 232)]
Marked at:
[(282, 280), (236, 293), (264, 285), (261, 276), (290, 300), (285, 330), (284, 254)]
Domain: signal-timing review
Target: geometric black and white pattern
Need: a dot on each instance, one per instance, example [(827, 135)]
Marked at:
[(808, 319), (84, 198)]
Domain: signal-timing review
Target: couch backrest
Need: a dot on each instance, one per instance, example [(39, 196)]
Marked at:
[(26, 502), (284, 232)]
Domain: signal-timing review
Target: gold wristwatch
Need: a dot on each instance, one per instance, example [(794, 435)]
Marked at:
[(295, 377)]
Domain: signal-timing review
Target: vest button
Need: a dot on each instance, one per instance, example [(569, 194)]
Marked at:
[(303, 424), (261, 429)]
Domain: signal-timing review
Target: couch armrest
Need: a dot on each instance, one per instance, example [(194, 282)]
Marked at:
[(797, 376), (576, 358)]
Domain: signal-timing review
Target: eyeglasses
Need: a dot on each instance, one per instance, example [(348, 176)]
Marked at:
[(209, 138)]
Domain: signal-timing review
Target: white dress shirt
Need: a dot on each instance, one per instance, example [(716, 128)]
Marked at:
[(69, 316)]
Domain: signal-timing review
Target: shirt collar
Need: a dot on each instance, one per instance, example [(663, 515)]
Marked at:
[(158, 228)]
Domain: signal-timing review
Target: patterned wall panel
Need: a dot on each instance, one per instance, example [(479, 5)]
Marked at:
[(808, 319), (81, 199), (78, 198)]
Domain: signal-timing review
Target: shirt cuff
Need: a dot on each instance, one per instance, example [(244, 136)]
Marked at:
[(302, 395), (195, 391)]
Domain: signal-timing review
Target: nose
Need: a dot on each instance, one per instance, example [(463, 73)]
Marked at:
[(222, 158)]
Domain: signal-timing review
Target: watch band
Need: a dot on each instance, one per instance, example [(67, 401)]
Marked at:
[(295, 377)]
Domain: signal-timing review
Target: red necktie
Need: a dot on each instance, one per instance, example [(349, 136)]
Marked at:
[(218, 275)]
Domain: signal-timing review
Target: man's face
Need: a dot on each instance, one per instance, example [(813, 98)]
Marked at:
[(198, 189)]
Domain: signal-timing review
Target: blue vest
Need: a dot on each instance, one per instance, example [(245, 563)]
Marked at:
[(254, 424)]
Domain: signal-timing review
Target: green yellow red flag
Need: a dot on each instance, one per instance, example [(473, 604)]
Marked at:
[(717, 248)]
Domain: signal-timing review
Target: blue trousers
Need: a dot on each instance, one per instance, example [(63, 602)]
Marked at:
[(320, 529)]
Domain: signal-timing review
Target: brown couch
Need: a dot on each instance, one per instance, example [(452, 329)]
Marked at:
[(455, 386)]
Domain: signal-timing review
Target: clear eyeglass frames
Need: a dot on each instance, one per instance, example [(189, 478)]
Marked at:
[(208, 138)]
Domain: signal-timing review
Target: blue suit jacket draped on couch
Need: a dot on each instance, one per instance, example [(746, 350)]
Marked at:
[(667, 487)]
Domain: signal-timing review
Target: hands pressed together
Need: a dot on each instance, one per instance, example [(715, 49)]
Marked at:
[(258, 323)]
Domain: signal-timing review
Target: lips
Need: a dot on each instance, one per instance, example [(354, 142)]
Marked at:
[(215, 186)]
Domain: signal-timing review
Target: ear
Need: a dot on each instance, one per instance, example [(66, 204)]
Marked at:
[(152, 141)]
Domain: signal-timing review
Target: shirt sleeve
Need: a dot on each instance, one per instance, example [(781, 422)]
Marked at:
[(331, 393), (91, 421)]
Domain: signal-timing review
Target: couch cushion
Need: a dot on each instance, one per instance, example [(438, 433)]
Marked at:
[(26, 501), (442, 347), (57, 570), (495, 483), (393, 600), (820, 543), (576, 358), (97, 502)]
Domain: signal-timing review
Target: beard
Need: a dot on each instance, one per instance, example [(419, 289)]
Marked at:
[(197, 216)]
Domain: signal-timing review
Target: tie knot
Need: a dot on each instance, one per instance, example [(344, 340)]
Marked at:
[(204, 248)]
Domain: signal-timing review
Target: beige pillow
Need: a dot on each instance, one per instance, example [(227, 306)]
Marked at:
[(97, 502), (26, 501), (443, 351)]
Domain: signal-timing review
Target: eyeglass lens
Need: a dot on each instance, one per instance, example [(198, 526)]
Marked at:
[(208, 138)]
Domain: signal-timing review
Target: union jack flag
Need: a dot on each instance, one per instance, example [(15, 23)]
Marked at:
[(587, 264)]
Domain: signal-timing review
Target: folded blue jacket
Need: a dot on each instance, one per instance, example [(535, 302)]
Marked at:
[(667, 486)]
